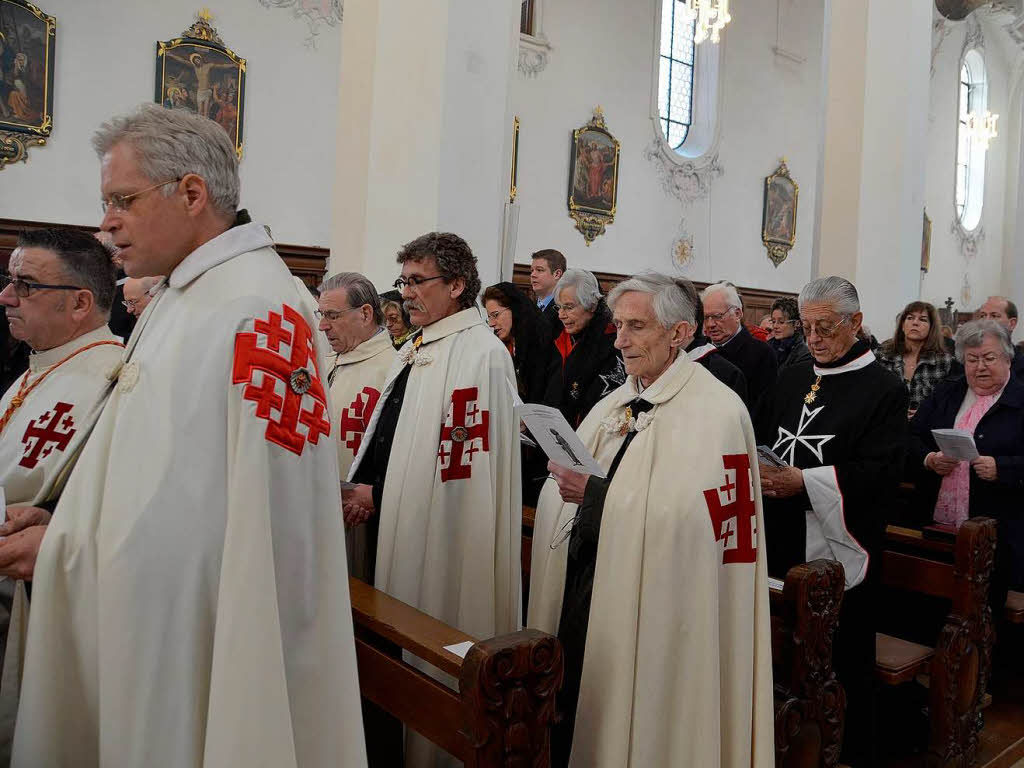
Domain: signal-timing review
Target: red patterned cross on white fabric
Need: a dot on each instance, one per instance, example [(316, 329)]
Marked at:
[(732, 511), (284, 383), (355, 418), (463, 434), (53, 429)]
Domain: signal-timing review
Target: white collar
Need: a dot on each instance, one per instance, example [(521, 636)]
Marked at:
[(446, 326), (37, 361), (222, 248), (699, 353), (854, 365)]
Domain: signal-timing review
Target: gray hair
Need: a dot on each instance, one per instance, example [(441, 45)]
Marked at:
[(972, 335), (837, 291), (172, 143), (672, 302), (732, 296), (359, 290), (588, 290)]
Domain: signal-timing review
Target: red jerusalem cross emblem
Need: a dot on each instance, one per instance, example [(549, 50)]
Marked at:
[(732, 511), (463, 434), (277, 364), (54, 429), (356, 417)]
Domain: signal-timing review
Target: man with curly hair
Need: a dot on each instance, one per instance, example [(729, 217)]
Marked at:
[(439, 462)]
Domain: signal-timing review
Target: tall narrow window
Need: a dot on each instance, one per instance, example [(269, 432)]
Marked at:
[(526, 17), (970, 155), (675, 75)]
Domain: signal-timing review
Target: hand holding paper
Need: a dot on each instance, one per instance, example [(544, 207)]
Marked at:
[(956, 444)]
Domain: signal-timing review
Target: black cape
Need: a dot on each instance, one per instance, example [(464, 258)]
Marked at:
[(756, 361)]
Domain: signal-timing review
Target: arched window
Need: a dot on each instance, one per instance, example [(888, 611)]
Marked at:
[(970, 155), (675, 74)]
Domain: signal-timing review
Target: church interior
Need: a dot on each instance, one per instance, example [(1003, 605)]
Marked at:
[(881, 141)]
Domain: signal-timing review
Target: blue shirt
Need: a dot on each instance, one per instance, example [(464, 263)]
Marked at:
[(542, 304)]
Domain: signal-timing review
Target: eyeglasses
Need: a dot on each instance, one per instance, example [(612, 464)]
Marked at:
[(415, 282), (988, 359), (497, 313), (822, 330), (719, 316), (23, 289), (121, 203), (130, 304), (333, 314)]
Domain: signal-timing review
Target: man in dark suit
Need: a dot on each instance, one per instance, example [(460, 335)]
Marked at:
[(546, 268), (723, 325), (1004, 312)]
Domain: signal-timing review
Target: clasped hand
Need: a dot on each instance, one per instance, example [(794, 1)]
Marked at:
[(24, 531), (781, 482), (984, 466), (357, 505)]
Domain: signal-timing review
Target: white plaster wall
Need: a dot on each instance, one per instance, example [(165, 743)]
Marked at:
[(105, 65), (603, 53), (945, 277)]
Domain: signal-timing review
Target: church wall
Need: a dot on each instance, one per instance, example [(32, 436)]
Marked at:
[(953, 271), (603, 54), (105, 65)]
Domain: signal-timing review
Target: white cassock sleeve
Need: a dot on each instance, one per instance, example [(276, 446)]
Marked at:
[(827, 535)]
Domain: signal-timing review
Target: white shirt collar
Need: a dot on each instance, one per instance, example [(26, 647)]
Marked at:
[(854, 365)]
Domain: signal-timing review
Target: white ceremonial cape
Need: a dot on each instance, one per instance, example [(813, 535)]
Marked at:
[(677, 669), (191, 601), (38, 445), (451, 513), (358, 377)]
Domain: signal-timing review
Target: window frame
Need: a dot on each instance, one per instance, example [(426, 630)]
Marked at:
[(665, 121), (970, 159)]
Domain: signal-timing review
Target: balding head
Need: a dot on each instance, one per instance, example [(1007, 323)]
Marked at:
[(1000, 309), (136, 293)]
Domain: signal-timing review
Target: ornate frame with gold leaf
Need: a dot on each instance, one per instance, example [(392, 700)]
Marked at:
[(201, 38), (17, 137), (592, 213), (778, 218)]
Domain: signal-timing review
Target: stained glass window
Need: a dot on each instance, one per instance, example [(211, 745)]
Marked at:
[(675, 76)]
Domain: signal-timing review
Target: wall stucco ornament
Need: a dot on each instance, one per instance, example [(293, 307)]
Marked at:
[(316, 14), (533, 54), (969, 239), (686, 180)]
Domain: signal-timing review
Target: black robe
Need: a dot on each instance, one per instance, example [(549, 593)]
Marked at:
[(550, 315), (857, 425), (719, 367), (757, 363)]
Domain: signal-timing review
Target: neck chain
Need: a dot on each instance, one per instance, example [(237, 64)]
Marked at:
[(811, 396), (25, 389)]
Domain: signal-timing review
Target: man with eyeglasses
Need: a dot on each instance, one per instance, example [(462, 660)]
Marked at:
[(840, 428), (723, 325), (137, 293), (352, 320), (439, 464), (191, 592), (1004, 312)]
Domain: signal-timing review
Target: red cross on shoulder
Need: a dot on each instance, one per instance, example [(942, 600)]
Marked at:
[(463, 434), (276, 362), (53, 430), (732, 511)]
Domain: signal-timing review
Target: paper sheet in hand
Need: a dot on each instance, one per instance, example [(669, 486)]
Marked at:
[(767, 456), (956, 444), (557, 439)]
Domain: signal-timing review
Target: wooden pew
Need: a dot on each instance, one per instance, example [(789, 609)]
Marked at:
[(958, 666), (505, 706)]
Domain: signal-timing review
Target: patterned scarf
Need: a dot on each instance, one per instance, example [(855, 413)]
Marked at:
[(955, 493)]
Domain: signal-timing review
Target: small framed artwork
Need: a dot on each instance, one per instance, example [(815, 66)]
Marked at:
[(593, 177), (926, 243), (513, 179), (198, 72), (28, 39), (778, 217)]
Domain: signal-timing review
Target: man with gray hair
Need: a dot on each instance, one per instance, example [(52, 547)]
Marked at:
[(723, 325), (190, 603), (137, 293), (352, 320), (679, 506), (839, 427)]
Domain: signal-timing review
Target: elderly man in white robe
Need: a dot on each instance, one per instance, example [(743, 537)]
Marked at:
[(353, 322), (439, 462), (655, 578), (190, 604)]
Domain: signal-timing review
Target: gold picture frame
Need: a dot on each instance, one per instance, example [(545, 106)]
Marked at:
[(778, 217), (512, 188), (926, 242), (198, 72), (593, 177), (28, 40)]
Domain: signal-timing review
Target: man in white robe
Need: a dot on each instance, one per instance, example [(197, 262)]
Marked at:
[(439, 462), (190, 605), (655, 579), (353, 322)]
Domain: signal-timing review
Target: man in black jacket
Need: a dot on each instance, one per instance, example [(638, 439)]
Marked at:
[(723, 324), (546, 268)]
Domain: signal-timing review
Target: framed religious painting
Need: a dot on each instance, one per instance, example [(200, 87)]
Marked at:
[(28, 39), (198, 72), (593, 177), (778, 217)]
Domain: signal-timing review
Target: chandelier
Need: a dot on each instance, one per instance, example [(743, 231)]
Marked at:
[(711, 16), (981, 128)]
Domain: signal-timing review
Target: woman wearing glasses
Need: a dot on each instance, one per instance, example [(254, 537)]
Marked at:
[(787, 338), (987, 401)]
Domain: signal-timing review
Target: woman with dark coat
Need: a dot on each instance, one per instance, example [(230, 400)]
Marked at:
[(593, 367), (787, 337), (987, 401)]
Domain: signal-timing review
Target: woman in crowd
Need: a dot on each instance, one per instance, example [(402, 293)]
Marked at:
[(787, 339), (916, 352), (519, 325), (593, 367), (396, 319), (988, 402)]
